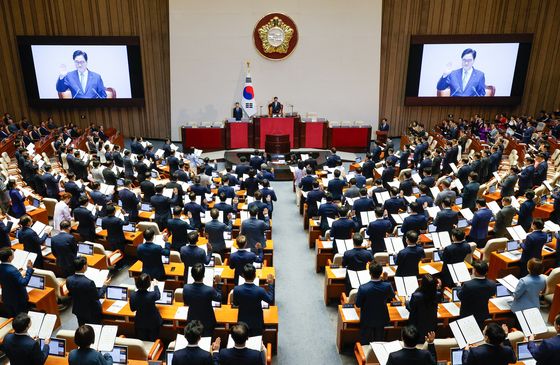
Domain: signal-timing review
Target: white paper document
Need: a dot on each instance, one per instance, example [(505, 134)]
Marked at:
[(441, 239), (510, 282), (381, 197), (344, 245), (459, 272), (429, 269), (502, 303), (393, 244), (531, 321), (104, 337), (367, 217), (117, 306), (182, 313), (517, 233), (403, 312), (467, 213), (383, 349), (466, 331), (253, 343), (358, 278), (350, 314), (406, 285), (42, 325), (452, 308), (96, 275)]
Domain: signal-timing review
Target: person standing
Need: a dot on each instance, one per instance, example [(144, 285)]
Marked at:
[(14, 294)]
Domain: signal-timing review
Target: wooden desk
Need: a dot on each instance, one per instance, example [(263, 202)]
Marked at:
[(133, 240), (39, 214), (543, 211), (55, 360), (314, 232), (322, 255), (97, 261), (555, 307), (45, 301), (500, 265)]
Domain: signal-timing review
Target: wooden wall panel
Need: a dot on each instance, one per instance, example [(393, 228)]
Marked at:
[(148, 19), (403, 18)]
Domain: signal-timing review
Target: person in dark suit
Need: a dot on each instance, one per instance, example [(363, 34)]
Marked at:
[(363, 204), (416, 221), (261, 205), (526, 176), (198, 297), (228, 210), (64, 249), (525, 217), (193, 354), (14, 294), (425, 200), (20, 348), (504, 217), (479, 223), (162, 206), (84, 337), (136, 146), (336, 185), (343, 227), (377, 231), (242, 256), (464, 171), (548, 351), (358, 257), (172, 162), (239, 354), (541, 170), (407, 184), (428, 179), (86, 219), (454, 253), (388, 174), (192, 254), (254, 229), (409, 257), (51, 182), (423, 306), (147, 188), (31, 240), (496, 349), (446, 219), (150, 255), (410, 354), (147, 321), (403, 159), (237, 112), (80, 167), (73, 188), (327, 210), (5, 230), (179, 229), (372, 299), (109, 175), (420, 149), (248, 298), (215, 229), (195, 210), (470, 191), (466, 81), (85, 296), (313, 197), (99, 198), (395, 203), (508, 183), (17, 199), (275, 108), (128, 165), (333, 159), (114, 225), (129, 201), (475, 293), (533, 244), (82, 82), (306, 183)]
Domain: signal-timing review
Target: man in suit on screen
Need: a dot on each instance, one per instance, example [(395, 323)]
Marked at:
[(465, 81), (83, 83)]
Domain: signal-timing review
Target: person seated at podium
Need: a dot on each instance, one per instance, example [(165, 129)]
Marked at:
[(275, 109), (237, 112)]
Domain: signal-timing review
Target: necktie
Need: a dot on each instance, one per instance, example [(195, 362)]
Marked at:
[(464, 79), (82, 79)]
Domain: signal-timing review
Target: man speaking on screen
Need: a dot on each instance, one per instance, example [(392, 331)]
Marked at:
[(83, 83), (466, 81)]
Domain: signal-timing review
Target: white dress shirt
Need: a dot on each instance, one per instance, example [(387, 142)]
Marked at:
[(61, 212)]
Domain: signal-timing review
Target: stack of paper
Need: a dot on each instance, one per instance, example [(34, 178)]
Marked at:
[(339, 272), (182, 313), (21, 257), (429, 269), (358, 278), (393, 244), (433, 211), (40, 228), (403, 312), (452, 308), (502, 303), (406, 285), (367, 217), (383, 349), (467, 213), (117, 306), (350, 314), (517, 233), (399, 218), (466, 331), (493, 206), (531, 321), (381, 197), (97, 276), (459, 272), (550, 226), (441, 239)]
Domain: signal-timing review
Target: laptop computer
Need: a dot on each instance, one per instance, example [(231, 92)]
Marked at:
[(131, 227), (116, 293), (57, 347), (155, 174), (36, 202), (459, 200), (523, 353), (166, 297), (37, 282), (98, 222), (454, 294), (456, 356), (120, 182), (512, 246), (432, 228), (164, 259), (85, 249), (501, 291), (146, 207), (119, 354), (437, 257), (462, 223)]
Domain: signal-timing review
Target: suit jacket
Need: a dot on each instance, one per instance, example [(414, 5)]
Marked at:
[(254, 230), (408, 259), (148, 190), (150, 254), (332, 161), (387, 176), (463, 174), (377, 231), (129, 203), (18, 205), (414, 222), (540, 173), (173, 163), (115, 234), (101, 200), (94, 86), (423, 312), (196, 210), (445, 194), (452, 254), (525, 218), (86, 228), (128, 167), (504, 219), (73, 188), (356, 259), (237, 113), (178, 229), (13, 286), (548, 352), (527, 292), (313, 197), (470, 192), (363, 205), (191, 255), (532, 247), (248, 298), (235, 356), (240, 258), (342, 228), (526, 178), (446, 219), (394, 204), (23, 350), (413, 356), (85, 298), (162, 206), (192, 356), (88, 356), (335, 187), (32, 243), (144, 303), (372, 299), (215, 232), (479, 224), (306, 183), (476, 86), (198, 297), (508, 185), (474, 296), (406, 186), (489, 354), (5, 240), (80, 169), (64, 249), (109, 176), (51, 184)]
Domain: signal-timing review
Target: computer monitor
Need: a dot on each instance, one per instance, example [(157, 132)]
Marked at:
[(163, 162), (456, 356), (432, 228), (462, 223), (98, 222), (85, 249), (116, 293), (392, 260), (166, 297), (119, 354), (523, 353), (168, 357), (455, 294), (459, 200), (48, 242), (120, 182), (57, 347), (502, 291), (492, 189), (131, 227), (154, 174), (37, 282), (437, 257), (36, 202), (512, 246), (146, 207)]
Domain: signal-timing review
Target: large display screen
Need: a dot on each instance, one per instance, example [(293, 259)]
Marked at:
[(467, 69), (104, 71)]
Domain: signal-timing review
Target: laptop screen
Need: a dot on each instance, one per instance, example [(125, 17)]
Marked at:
[(462, 223), (146, 207), (57, 347), (164, 259), (119, 354), (131, 227), (85, 249), (117, 293), (37, 282), (437, 257), (166, 297), (455, 296), (512, 246), (432, 228), (501, 291), (459, 200), (48, 242), (155, 174), (98, 222), (120, 182), (456, 356), (523, 351), (36, 202), (392, 260)]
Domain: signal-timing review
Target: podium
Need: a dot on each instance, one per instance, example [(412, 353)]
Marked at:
[(239, 135), (207, 139), (276, 126)]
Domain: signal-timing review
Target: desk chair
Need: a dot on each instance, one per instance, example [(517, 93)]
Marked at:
[(539, 192), (494, 244), (112, 256), (50, 204), (552, 280), (556, 176), (514, 337), (381, 258), (401, 173), (5, 327), (350, 299), (142, 226), (551, 332), (469, 257), (52, 281), (337, 259), (443, 348)]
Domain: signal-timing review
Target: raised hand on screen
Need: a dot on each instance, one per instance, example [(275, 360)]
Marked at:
[(448, 69), (62, 71)]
